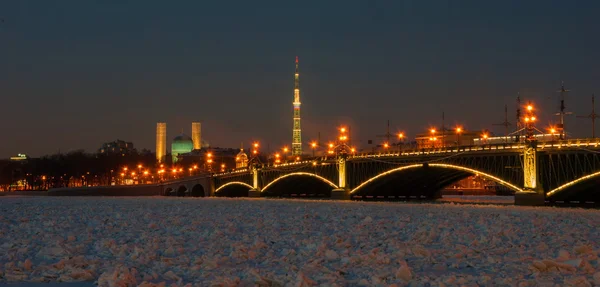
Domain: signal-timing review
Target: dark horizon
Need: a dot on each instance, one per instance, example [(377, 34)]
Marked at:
[(75, 75)]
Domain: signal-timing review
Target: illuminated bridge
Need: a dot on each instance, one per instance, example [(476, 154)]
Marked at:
[(560, 171)]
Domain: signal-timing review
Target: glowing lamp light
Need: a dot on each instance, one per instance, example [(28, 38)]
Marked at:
[(527, 119), (458, 129), (432, 131), (125, 168), (297, 158), (385, 145), (256, 145), (330, 145), (552, 131), (401, 135), (139, 166), (133, 173), (529, 108), (343, 129), (353, 150), (122, 174), (313, 144), (277, 155), (285, 149), (145, 172), (532, 119)]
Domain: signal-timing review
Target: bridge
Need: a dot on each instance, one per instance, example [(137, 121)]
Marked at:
[(558, 171)]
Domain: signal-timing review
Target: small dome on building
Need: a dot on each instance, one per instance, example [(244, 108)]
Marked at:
[(241, 159), (181, 144)]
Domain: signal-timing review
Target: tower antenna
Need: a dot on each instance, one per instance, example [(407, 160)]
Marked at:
[(505, 123), (562, 112), (297, 131), (592, 116)]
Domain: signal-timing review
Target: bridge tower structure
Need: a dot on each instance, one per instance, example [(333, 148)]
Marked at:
[(297, 131), (532, 192)]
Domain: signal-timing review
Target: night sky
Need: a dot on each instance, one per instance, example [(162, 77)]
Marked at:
[(75, 74)]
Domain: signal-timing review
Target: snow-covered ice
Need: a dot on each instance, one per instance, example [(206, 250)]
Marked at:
[(250, 242)]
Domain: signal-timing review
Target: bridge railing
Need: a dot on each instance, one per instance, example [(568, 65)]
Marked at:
[(399, 152)]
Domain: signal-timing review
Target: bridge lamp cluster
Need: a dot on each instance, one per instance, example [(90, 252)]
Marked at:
[(277, 158)]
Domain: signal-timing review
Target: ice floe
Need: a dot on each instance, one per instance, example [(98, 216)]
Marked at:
[(159, 241)]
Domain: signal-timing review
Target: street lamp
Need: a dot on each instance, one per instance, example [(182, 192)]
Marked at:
[(530, 124), (432, 138), (485, 137), (277, 160), (400, 141), (458, 131), (313, 145)]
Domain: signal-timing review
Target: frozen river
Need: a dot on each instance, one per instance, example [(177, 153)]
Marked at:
[(249, 242)]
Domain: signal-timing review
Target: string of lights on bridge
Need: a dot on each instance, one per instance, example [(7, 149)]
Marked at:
[(341, 147)]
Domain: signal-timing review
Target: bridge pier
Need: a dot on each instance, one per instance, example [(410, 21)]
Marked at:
[(530, 199), (340, 194), (533, 194), (254, 193)]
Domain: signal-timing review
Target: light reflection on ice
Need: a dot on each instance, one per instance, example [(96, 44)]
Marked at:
[(248, 242)]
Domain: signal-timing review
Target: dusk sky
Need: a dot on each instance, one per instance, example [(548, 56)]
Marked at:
[(75, 74)]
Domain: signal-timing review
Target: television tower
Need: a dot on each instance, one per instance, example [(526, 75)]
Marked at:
[(297, 131)]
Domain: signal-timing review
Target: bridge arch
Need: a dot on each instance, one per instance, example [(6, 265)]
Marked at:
[(437, 165), (181, 190), (198, 190), (585, 181), (317, 182), (168, 191), (233, 189)]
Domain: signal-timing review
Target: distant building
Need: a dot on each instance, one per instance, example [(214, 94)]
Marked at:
[(19, 157), (197, 135), (220, 158), (448, 138), (181, 144), (161, 142), (116, 147), (241, 159)]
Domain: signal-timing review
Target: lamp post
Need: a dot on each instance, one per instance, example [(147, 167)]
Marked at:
[(313, 145), (458, 131), (209, 161), (400, 141), (530, 124), (277, 158), (285, 150), (432, 138)]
